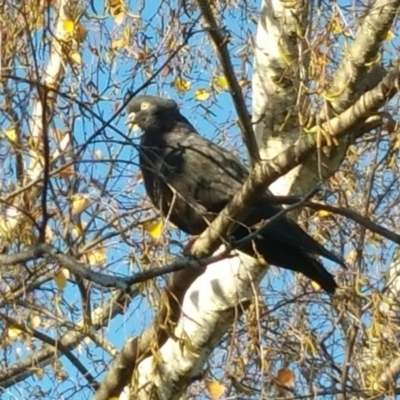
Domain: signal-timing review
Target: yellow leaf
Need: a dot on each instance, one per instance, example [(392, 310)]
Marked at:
[(61, 278), (118, 43), (219, 83), (77, 230), (201, 94), (13, 333), (69, 26), (35, 321), (389, 35), (49, 234), (285, 377), (154, 228), (79, 203), (310, 348), (76, 58), (215, 389), (352, 256), (39, 372), (323, 213), (336, 26), (96, 256), (181, 85), (7, 227), (315, 286), (11, 135)]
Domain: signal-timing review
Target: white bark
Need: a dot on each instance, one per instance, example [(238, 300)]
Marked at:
[(208, 311), (275, 84)]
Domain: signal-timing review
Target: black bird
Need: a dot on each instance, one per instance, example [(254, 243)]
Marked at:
[(190, 180)]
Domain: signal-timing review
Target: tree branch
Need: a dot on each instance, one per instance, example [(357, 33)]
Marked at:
[(363, 52), (220, 39)]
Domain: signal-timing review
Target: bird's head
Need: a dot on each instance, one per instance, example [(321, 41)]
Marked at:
[(149, 112)]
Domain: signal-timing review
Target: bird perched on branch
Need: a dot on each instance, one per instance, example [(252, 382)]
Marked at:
[(190, 180)]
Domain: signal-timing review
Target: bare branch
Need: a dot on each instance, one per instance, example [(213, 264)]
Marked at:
[(40, 358), (361, 54), (58, 348), (220, 39), (356, 217)]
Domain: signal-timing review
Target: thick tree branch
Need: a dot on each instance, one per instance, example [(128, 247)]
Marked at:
[(264, 173)]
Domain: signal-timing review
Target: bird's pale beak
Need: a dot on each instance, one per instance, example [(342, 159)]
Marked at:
[(131, 118), (130, 121)]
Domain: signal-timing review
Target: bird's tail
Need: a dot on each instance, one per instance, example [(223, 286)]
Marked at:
[(317, 273)]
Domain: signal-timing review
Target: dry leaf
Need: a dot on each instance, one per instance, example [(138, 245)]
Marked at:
[(49, 234), (39, 372), (61, 278), (96, 256), (352, 256), (80, 202), (80, 33), (13, 333), (215, 389), (35, 321), (315, 286), (181, 85), (323, 213), (285, 377), (389, 36), (8, 224), (75, 57), (154, 229), (201, 94), (117, 9), (77, 230), (219, 83), (11, 135), (98, 155), (69, 26), (66, 172)]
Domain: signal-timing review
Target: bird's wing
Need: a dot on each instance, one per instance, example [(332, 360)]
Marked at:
[(206, 171)]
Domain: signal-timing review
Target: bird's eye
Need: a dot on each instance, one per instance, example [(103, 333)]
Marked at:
[(144, 106)]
